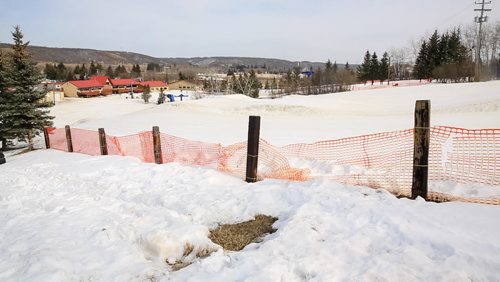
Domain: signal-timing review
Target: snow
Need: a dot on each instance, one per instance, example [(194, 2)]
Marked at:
[(292, 119), (67, 217)]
